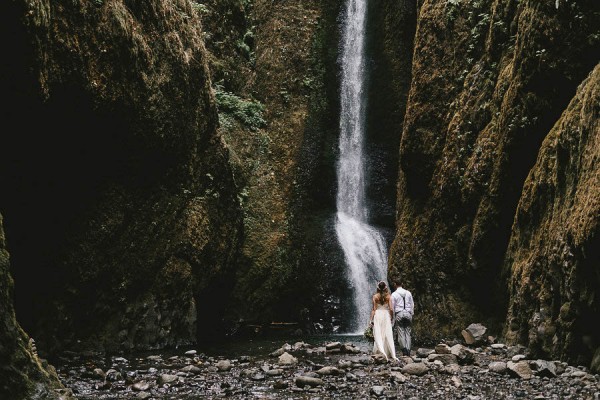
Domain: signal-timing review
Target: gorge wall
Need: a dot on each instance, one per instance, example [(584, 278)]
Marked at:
[(489, 81), (120, 208)]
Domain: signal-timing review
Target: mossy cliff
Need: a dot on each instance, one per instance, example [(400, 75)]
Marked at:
[(489, 80), (120, 207), (552, 258), (275, 66), (22, 374)]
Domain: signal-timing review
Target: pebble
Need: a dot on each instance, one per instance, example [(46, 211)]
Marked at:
[(337, 375)]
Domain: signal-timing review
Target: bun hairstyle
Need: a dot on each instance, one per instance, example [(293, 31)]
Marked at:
[(383, 291)]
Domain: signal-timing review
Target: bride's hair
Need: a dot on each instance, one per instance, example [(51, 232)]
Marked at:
[(383, 292)]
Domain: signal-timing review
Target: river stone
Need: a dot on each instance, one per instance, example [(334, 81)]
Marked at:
[(302, 381), (143, 395), (191, 369), (445, 359), (333, 345), (519, 369), (498, 346), (274, 372), (456, 381), (415, 369), (463, 354), (345, 364), (517, 358), (442, 348), (223, 365), (279, 384), (398, 376), (498, 367), (98, 373), (423, 353), (329, 371), (543, 368), (113, 375), (287, 359), (474, 334), (258, 377), (377, 390), (167, 378), (141, 386)]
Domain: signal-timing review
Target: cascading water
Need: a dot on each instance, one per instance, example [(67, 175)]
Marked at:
[(364, 247)]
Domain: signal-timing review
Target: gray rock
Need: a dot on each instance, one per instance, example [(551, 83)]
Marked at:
[(192, 369), (498, 367), (98, 373), (415, 369), (463, 354), (140, 386), (287, 359), (423, 353), (398, 377), (519, 369), (474, 334), (456, 381), (442, 348), (190, 353), (302, 381), (377, 390), (258, 377), (517, 358), (445, 359), (143, 395), (498, 346), (223, 365), (351, 377), (329, 371), (279, 384), (345, 364), (113, 375), (543, 368), (167, 379), (274, 372), (154, 358), (333, 345)]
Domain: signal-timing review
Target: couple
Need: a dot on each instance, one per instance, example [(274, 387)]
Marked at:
[(397, 307)]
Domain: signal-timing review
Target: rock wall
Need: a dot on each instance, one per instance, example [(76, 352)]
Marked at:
[(22, 374), (554, 252), (122, 213), (489, 80)]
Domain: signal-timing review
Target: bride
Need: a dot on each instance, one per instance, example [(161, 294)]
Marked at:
[(381, 318)]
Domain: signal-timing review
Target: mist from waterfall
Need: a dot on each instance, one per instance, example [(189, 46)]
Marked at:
[(363, 246)]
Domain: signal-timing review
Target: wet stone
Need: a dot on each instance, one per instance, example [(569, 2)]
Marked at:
[(303, 381)]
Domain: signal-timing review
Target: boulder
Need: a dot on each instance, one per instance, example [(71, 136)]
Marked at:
[(442, 348), (287, 359), (302, 381), (498, 367), (474, 334), (445, 359), (543, 368), (329, 371), (519, 369), (415, 369), (223, 365)]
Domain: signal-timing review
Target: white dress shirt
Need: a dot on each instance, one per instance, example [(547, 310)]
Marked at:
[(402, 299)]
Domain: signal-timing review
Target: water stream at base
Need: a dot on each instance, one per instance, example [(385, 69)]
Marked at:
[(363, 246)]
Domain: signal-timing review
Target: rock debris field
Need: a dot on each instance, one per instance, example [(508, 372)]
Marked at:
[(330, 370)]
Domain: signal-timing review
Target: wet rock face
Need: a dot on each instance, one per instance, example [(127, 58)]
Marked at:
[(23, 374), (479, 108), (120, 199), (552, 259)]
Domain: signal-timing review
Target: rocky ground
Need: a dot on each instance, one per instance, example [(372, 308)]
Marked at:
[(329, 370)]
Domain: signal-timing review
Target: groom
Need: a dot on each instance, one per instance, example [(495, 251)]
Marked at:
[(403, 304)]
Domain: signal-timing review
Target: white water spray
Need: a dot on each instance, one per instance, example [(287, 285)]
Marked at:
[(363, 246)]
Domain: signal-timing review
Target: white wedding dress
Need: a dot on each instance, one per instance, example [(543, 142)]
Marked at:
[(382, 332)]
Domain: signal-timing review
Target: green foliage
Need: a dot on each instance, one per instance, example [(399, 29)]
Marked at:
[(200, 8), (231, 106)]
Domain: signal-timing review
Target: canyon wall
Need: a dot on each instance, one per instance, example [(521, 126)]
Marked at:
[(121, 211), (489, 81)]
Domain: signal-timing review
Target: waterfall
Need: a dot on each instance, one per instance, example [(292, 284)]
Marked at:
[(363, 246)]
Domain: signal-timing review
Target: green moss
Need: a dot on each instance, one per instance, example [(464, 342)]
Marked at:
[(248, 112)]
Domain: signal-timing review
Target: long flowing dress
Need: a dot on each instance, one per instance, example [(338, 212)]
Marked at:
[(382, 332)]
